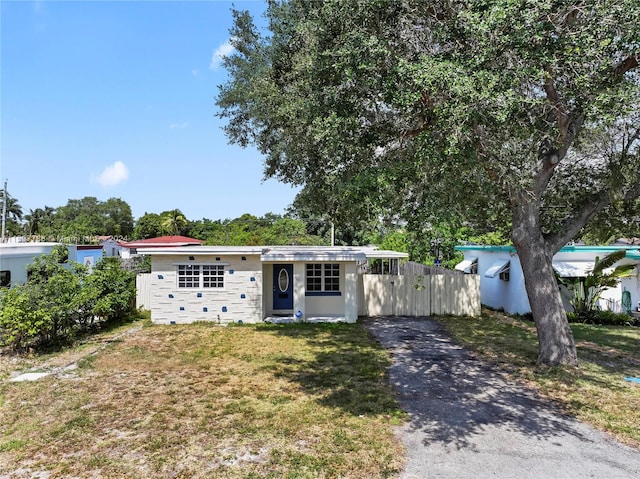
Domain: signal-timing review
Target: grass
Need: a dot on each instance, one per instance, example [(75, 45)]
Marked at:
[(595, 392), (201, 401)]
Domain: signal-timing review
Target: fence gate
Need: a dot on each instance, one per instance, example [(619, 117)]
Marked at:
[(419, 295)]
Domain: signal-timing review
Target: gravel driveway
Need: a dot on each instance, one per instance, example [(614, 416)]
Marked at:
[(467, 420)]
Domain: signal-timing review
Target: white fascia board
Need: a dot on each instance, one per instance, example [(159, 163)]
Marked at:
[(385, 254), (311, 257), (202, 250)]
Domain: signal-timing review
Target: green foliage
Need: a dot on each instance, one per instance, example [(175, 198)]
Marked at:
[(173, 222), (148, 225), (89, 216), (586, 292), (113, 289), (453, 132), (22, 321), (13, 213), (61, 299), (491, 115), (601, 317)]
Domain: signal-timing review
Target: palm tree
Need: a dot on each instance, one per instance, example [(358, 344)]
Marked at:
[(587, 291), (32, 221), (13, 212), (173, 222)]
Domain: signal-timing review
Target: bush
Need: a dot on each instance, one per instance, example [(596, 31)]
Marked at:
[(22, 322), (601, 317), (60, 300), (114, 290)]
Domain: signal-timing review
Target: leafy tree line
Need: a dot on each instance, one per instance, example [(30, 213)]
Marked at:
[(60, 300), (88, 217)]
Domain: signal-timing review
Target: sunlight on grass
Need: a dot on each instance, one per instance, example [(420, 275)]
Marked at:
[(201, 401), (595, 392)]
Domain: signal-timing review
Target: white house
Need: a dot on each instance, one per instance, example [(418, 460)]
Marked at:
[(502, 281), (251, 284), (14, 258)]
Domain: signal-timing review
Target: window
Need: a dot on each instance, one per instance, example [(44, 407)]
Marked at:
[(200, 276), (323, 278), (5, 278), (332, 277), (212, 276)]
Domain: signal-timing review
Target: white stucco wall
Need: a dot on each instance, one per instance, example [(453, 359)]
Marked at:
[(511, 295), (239, 300), (343, 306), (15, 257)]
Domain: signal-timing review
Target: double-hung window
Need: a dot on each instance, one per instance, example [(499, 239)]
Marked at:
[(200, 276), (323, 278)]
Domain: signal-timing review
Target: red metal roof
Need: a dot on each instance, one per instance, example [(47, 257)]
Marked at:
[(161, 241)]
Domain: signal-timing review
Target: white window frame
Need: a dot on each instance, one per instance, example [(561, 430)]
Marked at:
[(327, 273), (206, 276)]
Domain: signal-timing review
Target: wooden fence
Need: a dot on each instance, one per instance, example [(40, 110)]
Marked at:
[(413, 268), (143, 291), (418, 295)]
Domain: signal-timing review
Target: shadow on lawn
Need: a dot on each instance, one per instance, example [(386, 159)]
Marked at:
[(452, 397), (346, 370)]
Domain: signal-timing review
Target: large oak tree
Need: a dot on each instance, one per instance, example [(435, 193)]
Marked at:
[(522, 109)]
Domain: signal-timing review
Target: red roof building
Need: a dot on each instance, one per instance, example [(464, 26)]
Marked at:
[(160, 242)]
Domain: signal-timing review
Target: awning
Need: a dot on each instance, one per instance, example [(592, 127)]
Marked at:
[(465, 265), (497, 267), (573, 269)]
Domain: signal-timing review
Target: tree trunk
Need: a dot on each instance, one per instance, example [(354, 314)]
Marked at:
[(555, 338)]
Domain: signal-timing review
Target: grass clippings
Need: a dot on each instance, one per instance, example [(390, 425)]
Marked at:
[(595, 392), (200, 401)]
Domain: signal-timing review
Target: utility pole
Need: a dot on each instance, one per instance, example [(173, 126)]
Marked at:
[(4, 209)]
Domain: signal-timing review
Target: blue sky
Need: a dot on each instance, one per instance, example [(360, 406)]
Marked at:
[(117, 99)]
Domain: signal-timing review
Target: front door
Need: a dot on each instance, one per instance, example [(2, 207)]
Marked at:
[(282, 286)]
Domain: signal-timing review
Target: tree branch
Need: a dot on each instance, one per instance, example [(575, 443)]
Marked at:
[(571, 226), (550, 152), (627, 64)]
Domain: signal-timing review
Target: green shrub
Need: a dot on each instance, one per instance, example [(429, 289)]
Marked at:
[(22, 322), (62, 299), (601, 317)]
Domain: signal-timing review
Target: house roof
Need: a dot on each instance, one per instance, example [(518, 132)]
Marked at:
[(632, 251), (276, 254), (161, 242)]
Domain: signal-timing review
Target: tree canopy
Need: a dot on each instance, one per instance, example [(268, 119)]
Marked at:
[(518, 113)]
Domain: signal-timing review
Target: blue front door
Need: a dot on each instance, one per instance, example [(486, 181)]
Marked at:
[(282, 286)]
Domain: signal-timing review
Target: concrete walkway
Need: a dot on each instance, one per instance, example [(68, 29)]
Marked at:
[(467, 420)]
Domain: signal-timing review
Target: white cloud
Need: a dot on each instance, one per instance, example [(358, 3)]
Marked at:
[(112, 175), (222, 51), (179, 126), (195, 72)]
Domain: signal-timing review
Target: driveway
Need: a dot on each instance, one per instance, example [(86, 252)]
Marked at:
[(467, 420)]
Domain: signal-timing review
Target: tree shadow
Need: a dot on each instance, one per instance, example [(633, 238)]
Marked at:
[(342, 368), (450, 396)]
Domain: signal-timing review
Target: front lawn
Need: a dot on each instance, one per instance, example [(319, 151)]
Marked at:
[(595, 392), (201, 401)]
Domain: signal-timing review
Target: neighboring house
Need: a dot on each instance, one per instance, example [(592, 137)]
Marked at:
[(14, 258), (110, 246), (502, 281), (88, 255), (251, 284), (130, 248)]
